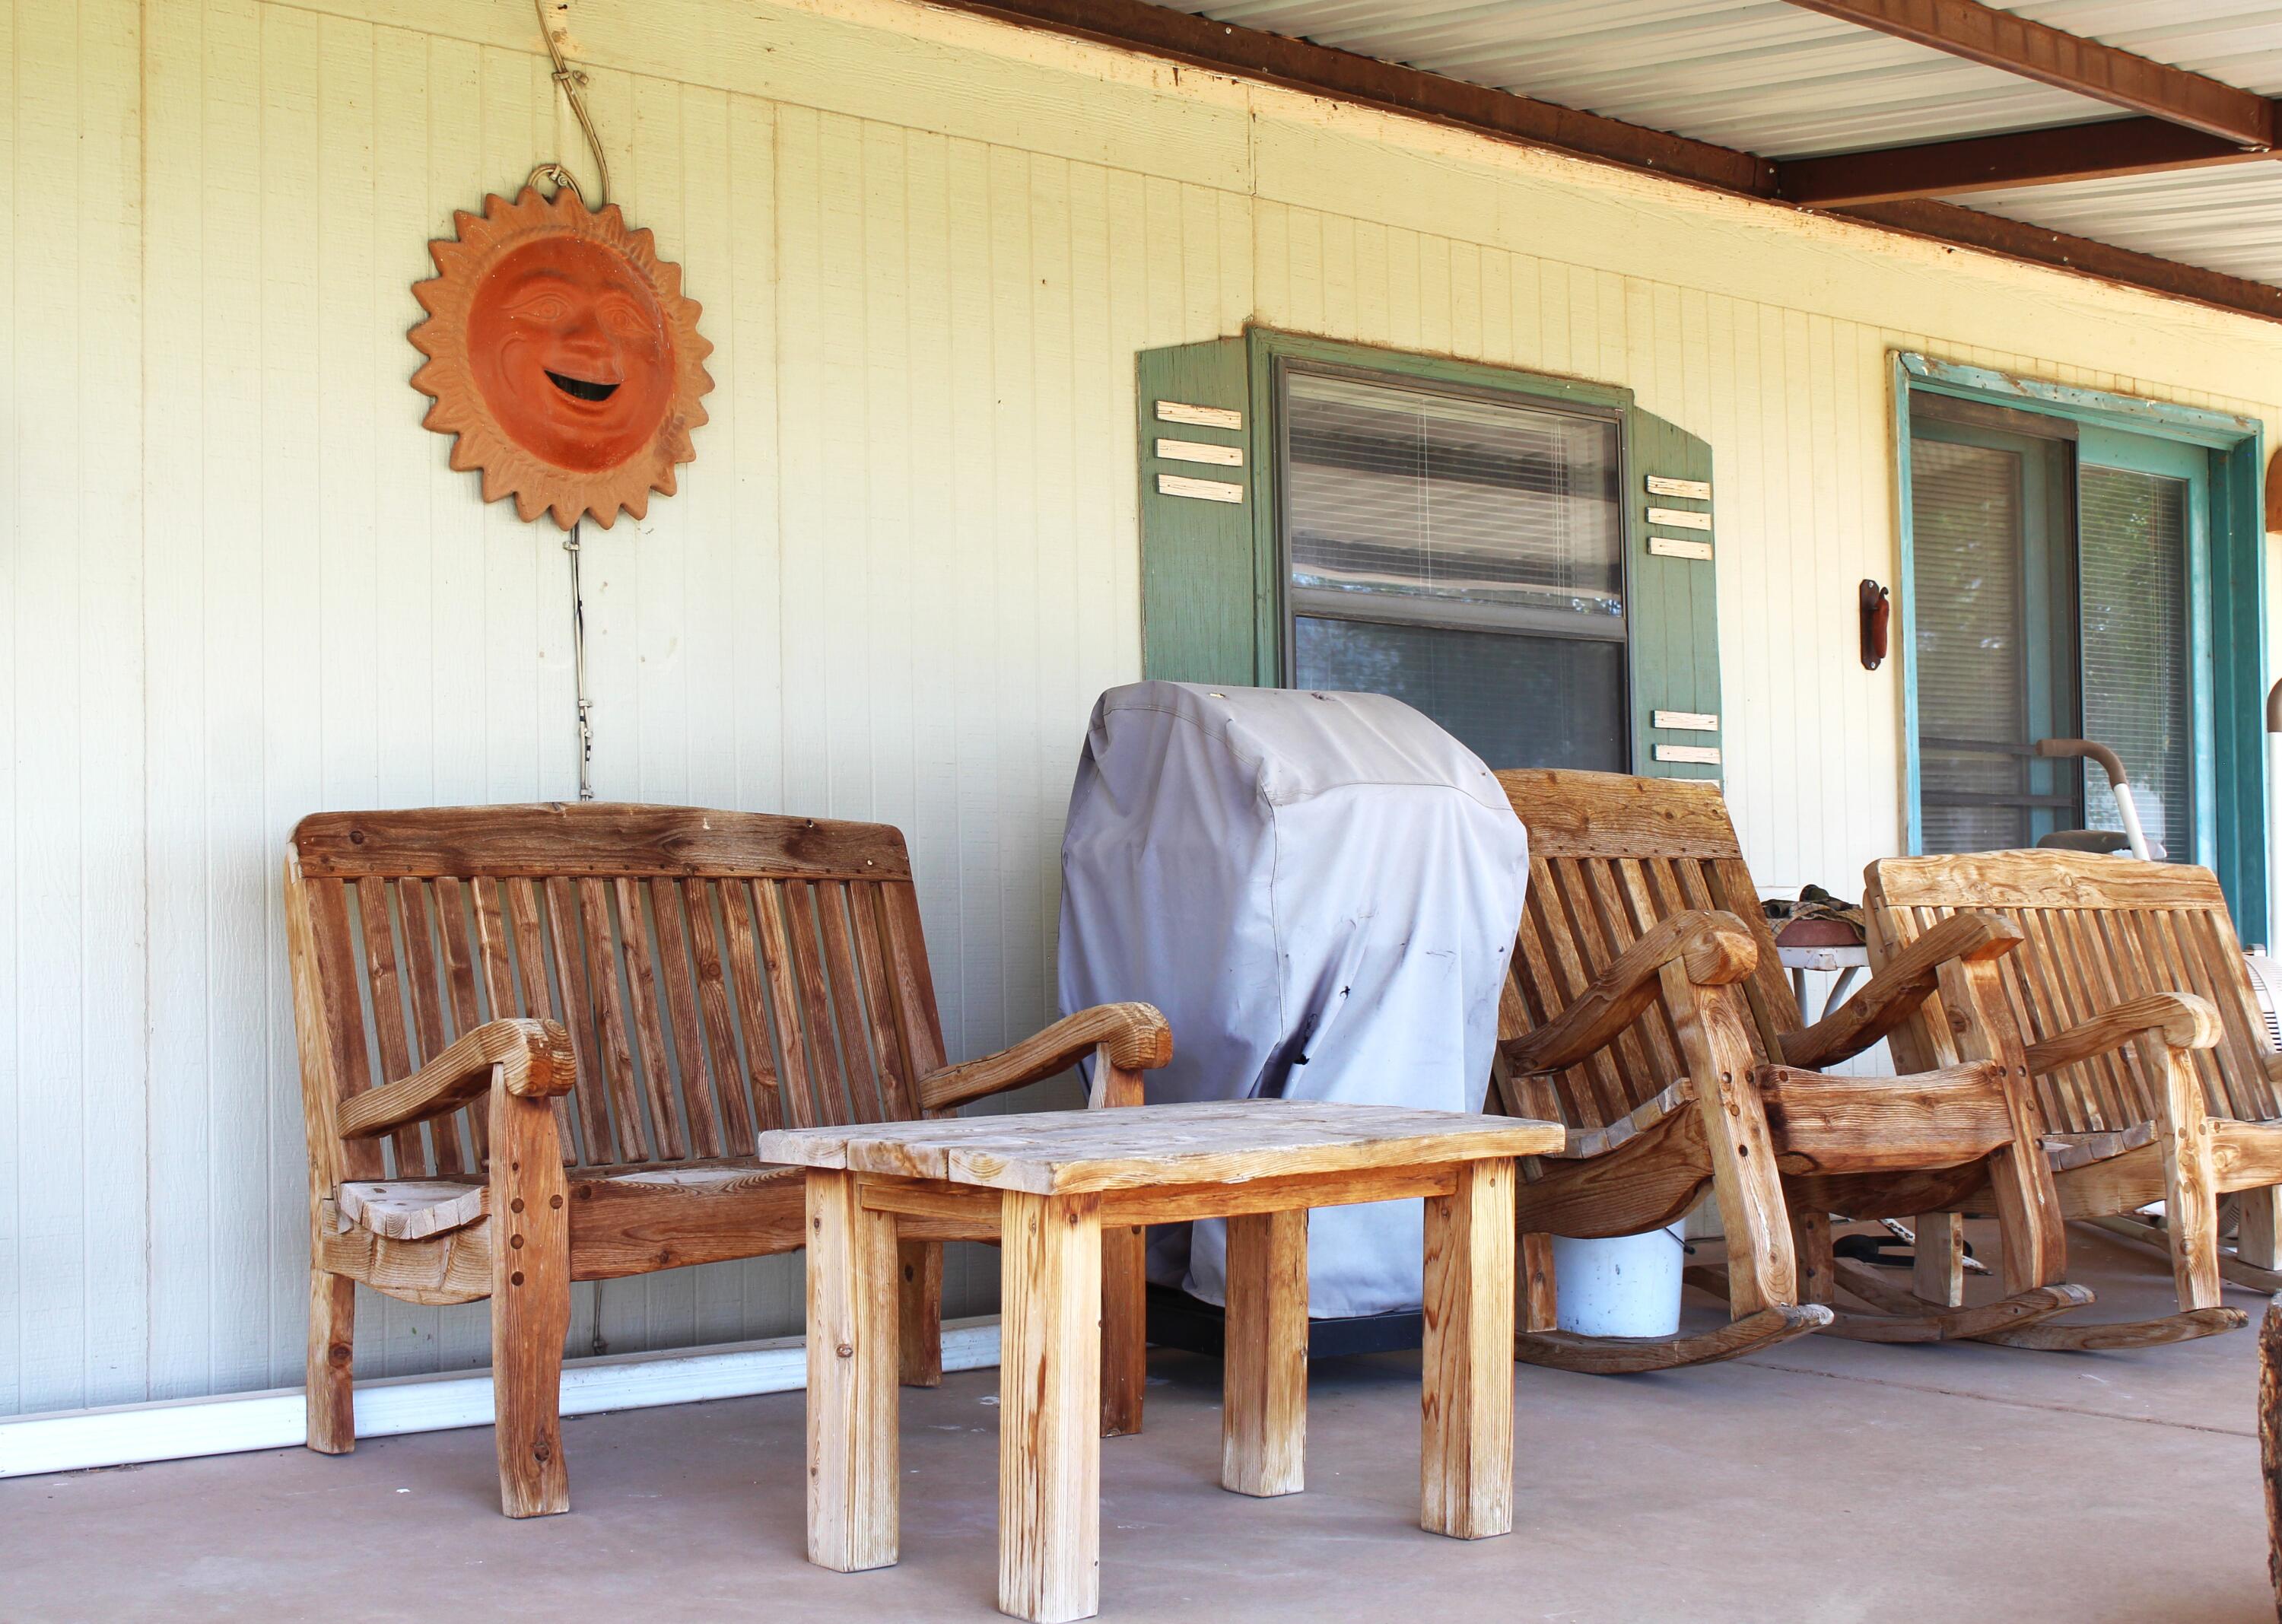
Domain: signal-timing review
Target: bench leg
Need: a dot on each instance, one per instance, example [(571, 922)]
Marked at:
[(918, 1313), (1124, 1278), (1263, 1427), (1539, 1304), (1466, 1455), (332, 1362), (1937, 1273), (1811, 1249), (2190, 1186), (2255, 1242), (531, 1304), (1124, 1328), (853, 1282), (1050, 1408)]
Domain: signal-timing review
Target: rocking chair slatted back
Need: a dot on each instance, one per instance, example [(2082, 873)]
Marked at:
[(1610, 857), (718, 973), (2101, 930)]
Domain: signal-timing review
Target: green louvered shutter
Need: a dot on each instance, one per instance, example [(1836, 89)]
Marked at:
[(1200, 591), (1674, 616)]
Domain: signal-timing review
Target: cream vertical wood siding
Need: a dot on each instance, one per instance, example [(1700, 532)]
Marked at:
[(242, 583)]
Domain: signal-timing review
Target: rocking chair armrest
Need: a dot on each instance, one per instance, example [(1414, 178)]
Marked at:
[(2180, 1020), (1136, 1037), (1898, 987), (533, 1059), (1714, 948)]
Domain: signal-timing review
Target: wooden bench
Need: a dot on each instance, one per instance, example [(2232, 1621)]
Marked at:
[(537, 1045), (1052, 1184)]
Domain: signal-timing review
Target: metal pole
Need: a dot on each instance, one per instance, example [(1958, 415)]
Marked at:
[(578, 669)]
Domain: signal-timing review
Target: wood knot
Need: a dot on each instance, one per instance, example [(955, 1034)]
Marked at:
[(543, 1451), (845, 1350), (338, 1354)]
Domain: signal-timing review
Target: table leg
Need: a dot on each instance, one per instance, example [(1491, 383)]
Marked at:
[(1124, 1328), (1050, 1408), (1263, 1426), (918, 1313), (852, 1283), (1466, 1459)]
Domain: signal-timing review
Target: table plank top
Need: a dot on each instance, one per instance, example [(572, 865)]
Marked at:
[(1216, 1141)]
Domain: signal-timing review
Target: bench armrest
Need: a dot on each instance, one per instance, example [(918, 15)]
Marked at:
[(1898, 988), (1134, 1036), (2180, 1020), (1714, 948), (533, 1059)]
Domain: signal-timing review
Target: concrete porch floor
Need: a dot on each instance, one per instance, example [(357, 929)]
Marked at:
[(1824, 1480)]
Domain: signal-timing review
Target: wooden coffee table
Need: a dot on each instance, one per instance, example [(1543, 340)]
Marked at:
[(1047, 1183)]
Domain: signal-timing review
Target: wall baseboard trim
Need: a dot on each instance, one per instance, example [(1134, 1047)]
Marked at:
[(176, 1429)]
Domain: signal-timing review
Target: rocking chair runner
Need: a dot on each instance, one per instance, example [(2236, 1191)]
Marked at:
[(578, 1017), (1647, 1011), (2130, 1010)]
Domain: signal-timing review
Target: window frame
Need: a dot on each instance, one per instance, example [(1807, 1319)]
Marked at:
[(2227, 613)]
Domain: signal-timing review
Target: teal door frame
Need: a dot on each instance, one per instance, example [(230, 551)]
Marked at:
[(2227, 588)]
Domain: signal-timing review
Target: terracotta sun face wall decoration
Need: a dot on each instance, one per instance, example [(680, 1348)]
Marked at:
[(561, 357)]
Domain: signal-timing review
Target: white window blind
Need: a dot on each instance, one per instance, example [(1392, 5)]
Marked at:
[(2133, 531), (1464, 554)]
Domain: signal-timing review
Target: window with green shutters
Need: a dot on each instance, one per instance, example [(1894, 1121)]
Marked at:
[(1526, 559)]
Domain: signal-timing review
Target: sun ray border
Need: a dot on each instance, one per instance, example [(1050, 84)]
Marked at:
[(479, 444)]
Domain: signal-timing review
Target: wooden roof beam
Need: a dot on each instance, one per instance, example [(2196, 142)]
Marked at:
[(2068, 62), (1990, 163)]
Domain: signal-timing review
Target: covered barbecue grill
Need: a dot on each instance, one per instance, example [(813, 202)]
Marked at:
[(1320, 890)]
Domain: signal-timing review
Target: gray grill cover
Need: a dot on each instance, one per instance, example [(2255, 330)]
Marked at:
[(1320, 890)]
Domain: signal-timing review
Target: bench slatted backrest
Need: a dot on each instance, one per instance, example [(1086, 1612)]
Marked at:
[(718, 973), (2101, 930), (1610, 856)]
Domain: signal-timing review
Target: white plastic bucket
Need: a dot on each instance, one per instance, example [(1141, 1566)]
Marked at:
[(1625, 1286)]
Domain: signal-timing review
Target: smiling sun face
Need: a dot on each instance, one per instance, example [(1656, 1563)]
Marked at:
[(561, 356)]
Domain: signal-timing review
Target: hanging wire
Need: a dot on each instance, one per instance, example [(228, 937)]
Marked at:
[(573, 81), (579, 671)]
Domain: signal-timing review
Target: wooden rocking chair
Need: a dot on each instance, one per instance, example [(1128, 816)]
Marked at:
[(2131, 1012), (1647, 1011), (536, 1043)]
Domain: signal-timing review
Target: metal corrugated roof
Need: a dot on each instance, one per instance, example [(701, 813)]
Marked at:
[(1773, 79), (2225, 220)]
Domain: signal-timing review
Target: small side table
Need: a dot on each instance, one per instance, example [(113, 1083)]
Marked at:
[(1849, 963), (1046, 1184)]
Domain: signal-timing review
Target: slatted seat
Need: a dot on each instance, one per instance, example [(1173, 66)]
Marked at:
[(2131, 1012), (1648, 1011), (538, 1042)]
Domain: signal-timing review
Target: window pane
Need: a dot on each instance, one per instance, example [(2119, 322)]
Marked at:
[(1514, 701), (2133, 567), (1965, 525), (1444, 509)]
